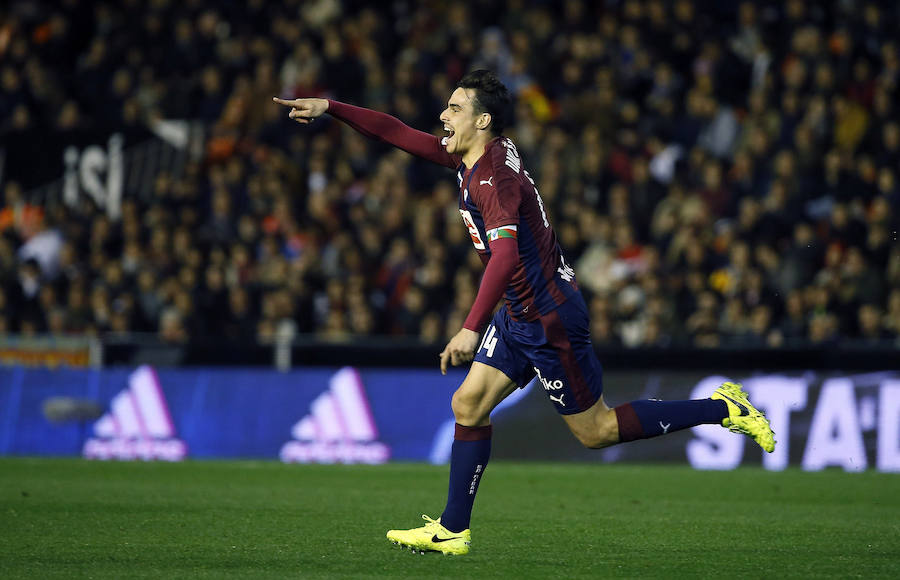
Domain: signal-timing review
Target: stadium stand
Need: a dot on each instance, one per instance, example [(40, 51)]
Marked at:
[(722, 174)]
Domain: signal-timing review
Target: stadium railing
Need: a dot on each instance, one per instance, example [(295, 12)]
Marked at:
[(135, 349)]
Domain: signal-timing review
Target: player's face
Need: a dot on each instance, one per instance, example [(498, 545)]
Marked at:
[(459, 119)]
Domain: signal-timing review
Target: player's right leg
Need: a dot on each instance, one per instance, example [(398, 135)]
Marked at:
[(571, 375), (729, 406), (743, 417)]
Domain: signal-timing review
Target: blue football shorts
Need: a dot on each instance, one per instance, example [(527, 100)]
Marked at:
[(556, 348)]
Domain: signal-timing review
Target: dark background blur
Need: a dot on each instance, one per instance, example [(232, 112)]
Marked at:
[(722, 174)]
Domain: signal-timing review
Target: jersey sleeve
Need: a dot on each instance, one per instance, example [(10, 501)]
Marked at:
[(499, 205), (392, 130), (500, 268)]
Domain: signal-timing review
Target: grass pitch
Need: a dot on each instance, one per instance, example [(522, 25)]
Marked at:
[(81, 519)]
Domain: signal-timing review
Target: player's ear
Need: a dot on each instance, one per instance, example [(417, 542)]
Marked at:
[(483, 121)]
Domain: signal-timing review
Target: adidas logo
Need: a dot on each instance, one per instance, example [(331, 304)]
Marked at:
[(138, 424), (339, 427)]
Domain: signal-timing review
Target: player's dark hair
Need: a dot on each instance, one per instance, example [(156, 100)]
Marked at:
[(491, 96)]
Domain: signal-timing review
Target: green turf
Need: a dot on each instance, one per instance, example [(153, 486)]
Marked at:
[(80, 519)]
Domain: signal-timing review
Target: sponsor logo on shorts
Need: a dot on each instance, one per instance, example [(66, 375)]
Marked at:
[(549, 384)]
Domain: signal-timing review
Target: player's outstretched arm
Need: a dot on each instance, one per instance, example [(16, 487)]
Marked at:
[(375, 125)]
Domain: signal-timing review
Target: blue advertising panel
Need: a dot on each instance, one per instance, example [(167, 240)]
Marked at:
[(349, 415), (317, 414)]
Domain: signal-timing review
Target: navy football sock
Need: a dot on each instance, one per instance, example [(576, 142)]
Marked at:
[(468, 458), (644, 419)]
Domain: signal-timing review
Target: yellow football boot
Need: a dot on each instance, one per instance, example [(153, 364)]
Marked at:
[(432, 537), (744, 417)]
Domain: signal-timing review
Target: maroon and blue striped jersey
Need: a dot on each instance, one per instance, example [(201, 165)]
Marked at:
[(498, 198)]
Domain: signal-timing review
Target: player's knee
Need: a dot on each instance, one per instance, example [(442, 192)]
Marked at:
[(604, 431), (468, 408), (593, 440)]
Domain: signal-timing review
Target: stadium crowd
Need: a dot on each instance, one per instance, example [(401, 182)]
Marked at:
[(719, 173)]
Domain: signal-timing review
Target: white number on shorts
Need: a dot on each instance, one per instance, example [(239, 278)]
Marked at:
[(489, 342)]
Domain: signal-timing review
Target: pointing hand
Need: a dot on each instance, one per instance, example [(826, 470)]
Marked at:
[(304, 110)]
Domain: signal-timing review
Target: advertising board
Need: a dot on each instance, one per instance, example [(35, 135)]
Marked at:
[(349, 415)]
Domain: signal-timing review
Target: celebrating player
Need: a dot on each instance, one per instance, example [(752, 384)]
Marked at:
[(542, 331)]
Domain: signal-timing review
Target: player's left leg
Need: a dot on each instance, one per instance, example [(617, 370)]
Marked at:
[(482, 390)]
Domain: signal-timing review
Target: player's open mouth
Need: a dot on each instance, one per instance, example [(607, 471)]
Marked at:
[(449, 131)]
